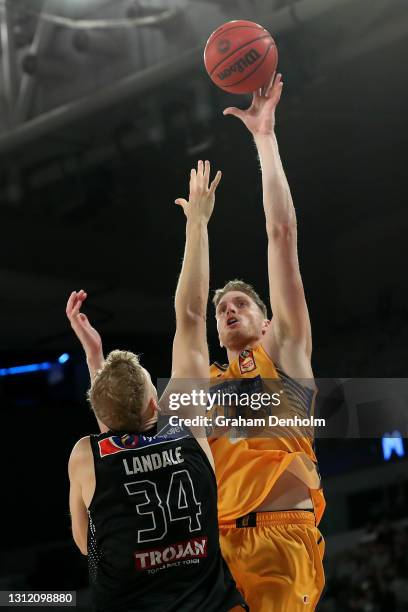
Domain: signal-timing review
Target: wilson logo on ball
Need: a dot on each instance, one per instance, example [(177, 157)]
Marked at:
[(240, 65)]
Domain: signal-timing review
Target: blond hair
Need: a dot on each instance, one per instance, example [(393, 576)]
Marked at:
[(118, 392), (239, 285)]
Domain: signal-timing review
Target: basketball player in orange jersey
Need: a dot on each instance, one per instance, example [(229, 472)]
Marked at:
[(269, 494)]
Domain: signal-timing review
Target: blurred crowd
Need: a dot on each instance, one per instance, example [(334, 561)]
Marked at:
[(373, 576)]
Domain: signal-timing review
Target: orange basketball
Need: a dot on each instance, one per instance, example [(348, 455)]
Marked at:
[(240, 56)]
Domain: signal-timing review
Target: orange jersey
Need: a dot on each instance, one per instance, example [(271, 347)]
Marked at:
[(248, 467)]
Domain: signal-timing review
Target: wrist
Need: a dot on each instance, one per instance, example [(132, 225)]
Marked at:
[(264, 137), (95, 360), (196, 222)]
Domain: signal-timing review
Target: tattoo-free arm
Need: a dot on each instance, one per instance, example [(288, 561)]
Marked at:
[(88, 336), (291, 318), (190, 350), (78, 511), (288, 303)]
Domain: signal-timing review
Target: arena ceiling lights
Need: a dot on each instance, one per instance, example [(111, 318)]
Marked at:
[(78, 14)]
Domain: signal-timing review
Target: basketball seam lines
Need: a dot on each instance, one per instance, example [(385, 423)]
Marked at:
[(253, 72), (237, 49), (236, 28)]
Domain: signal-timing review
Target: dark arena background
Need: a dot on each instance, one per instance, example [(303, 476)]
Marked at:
[(105, 106)]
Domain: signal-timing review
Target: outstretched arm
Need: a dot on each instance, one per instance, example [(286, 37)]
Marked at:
[(89, 338), (288, 303), (87, 335), (190, 350)]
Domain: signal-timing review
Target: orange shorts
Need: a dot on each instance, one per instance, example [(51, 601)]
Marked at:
[(277, 562)]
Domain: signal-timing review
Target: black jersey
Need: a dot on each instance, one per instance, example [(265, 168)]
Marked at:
[(153, 530)]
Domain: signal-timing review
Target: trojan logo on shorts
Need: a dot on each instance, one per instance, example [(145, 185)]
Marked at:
[(182, 551), (117, 444), (240, 64), (246, 361)]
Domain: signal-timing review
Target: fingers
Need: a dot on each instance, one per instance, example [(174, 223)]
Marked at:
[(75, 302), (255, 101), (200, 177), (193, 179), (215, 182), (84, 319), (278, 82), (70, 303), (199, 180), (276, 91), (268, 86), (207, 168), (232, 110), (200, 174), (256, 95), (275, 87), (181, 202), (203, 177)]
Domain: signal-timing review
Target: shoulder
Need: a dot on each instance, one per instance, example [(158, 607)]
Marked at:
[(276, 343), (279, 339), (80, 455), (289, 355), (83, 446)]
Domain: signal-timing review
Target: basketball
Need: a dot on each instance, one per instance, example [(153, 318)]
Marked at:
[(240, 56)]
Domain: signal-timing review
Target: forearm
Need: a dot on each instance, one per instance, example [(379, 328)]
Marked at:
[(193, 285), (95, 363), (277, 199)]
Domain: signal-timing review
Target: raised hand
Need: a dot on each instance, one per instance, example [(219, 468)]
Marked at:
[(87, 335), (259, 118), (201, 200)]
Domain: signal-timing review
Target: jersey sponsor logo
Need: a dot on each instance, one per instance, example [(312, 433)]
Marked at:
[(116, 444), (247, 361), (195, 548)]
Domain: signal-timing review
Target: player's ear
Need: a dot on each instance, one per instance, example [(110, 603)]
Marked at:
[(265, 326), (153, 406)]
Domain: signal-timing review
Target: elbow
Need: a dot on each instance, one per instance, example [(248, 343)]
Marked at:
[(282, 231), (193, 312), (191, 317)]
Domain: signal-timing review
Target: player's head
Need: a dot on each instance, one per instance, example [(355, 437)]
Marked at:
[(241, 315), (122, 394)]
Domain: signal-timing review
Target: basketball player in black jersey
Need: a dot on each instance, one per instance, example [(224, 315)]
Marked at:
[(143, 502)]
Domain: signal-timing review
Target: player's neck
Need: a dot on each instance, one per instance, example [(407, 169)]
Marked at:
[(234, 351), (149, 423)]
